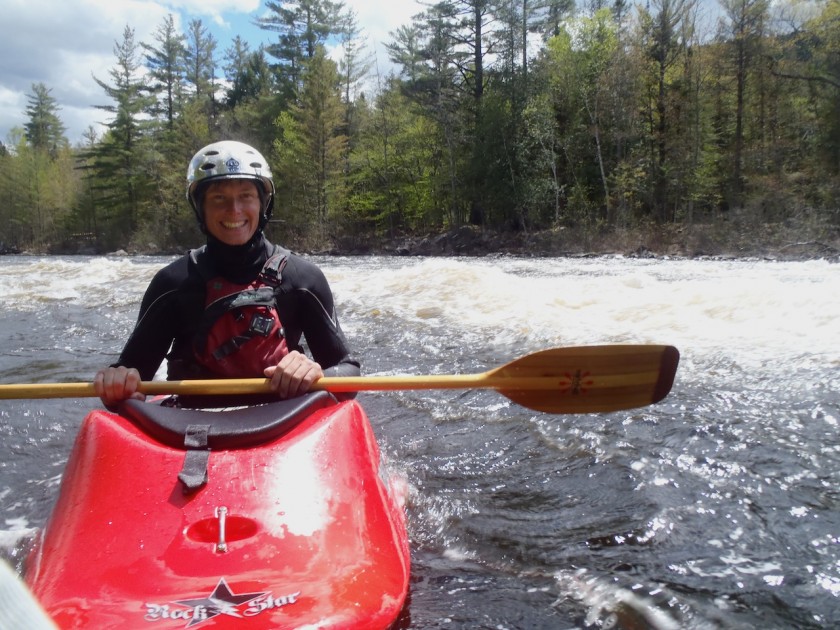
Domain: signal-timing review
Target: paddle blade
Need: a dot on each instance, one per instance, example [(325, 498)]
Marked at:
[(589, 379)]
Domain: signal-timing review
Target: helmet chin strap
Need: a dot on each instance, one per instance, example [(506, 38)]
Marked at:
[(265, 208)]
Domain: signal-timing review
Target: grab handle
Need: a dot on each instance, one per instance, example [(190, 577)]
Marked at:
[(221, 514)]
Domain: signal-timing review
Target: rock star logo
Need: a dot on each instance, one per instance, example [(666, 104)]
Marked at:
[(222, 601)]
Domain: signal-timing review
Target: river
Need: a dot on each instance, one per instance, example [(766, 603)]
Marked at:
[(717, 508)]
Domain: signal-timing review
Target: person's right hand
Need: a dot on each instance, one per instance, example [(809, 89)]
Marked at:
[(294, 375), (115, 384)]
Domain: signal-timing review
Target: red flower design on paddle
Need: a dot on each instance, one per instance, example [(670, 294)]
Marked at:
[(577, 383)]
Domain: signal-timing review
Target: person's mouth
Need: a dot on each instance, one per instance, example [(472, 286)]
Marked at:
[(230, 225)]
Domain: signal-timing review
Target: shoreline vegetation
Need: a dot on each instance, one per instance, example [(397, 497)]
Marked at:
[(721, 240), (675, 241)]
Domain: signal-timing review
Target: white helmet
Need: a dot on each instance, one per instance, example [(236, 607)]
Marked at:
[(230, 160)]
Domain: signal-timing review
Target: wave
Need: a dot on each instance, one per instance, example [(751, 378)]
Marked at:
[(744, 310)]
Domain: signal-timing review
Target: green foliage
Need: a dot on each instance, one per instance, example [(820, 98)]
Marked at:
[(248, 72), (118, 164), (622, 117), (37, 190), (311, 148), (44, 130), (167, 69), (391, 167), (302, 26)]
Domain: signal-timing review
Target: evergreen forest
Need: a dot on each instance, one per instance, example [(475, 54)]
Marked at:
[(501, 116)]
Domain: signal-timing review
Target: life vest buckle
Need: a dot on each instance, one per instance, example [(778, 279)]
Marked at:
[(261, 325)]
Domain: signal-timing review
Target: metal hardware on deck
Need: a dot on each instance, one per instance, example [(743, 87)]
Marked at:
[(221, 514)]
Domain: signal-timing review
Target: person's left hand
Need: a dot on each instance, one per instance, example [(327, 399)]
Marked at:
[(293, 375)]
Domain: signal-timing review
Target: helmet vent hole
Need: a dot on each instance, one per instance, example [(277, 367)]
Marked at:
[(212, 152), (256, 165), (208, 166)]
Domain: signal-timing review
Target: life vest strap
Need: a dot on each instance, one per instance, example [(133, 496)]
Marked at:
[(257, 301), (232, 345), (272, 271)]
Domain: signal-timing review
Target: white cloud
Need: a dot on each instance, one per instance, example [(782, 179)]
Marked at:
[(65, 44), (379, 19)]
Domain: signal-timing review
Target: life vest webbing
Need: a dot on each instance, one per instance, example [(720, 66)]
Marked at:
[(271, 274)]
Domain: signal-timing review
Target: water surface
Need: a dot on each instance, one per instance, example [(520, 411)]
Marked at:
[(717, 508)]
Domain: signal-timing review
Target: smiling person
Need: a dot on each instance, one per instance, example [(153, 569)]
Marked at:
[(239, 306)]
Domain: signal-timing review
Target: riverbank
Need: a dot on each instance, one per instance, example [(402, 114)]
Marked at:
[(767, 242), (722, 240)]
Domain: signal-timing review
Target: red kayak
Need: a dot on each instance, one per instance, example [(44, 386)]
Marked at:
[(270, 516)]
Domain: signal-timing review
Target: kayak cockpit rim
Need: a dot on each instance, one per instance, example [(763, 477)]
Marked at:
[(229, 429), (199, 432)]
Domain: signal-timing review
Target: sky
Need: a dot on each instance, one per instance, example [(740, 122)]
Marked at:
[(65, 44)]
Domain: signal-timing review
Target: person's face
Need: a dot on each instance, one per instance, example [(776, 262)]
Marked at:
[(232, 210)]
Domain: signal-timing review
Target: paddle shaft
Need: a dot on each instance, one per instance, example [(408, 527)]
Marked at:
[(336, 384), (231, 386)]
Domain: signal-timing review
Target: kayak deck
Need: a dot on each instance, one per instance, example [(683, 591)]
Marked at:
[(293, 527)]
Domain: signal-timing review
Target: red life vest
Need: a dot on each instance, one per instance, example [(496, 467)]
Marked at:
[(240, 333)]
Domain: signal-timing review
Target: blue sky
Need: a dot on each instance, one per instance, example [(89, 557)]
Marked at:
[(64, 44)]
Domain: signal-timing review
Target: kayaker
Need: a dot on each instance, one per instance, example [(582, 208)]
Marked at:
[(238, 306)]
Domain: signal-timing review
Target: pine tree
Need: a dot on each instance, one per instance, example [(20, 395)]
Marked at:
[(247, 73), (201, 66), (44, 130), (302, 26), (165, 63), (118, 160), (315, 128)]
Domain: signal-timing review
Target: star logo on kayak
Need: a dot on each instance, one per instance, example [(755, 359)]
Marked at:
[(577, 383), (222, 601)]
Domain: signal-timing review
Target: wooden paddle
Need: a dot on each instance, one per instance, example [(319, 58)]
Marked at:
[(582, 379)]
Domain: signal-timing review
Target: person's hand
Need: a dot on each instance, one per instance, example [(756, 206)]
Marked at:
[(115, 384), (293, 375)]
